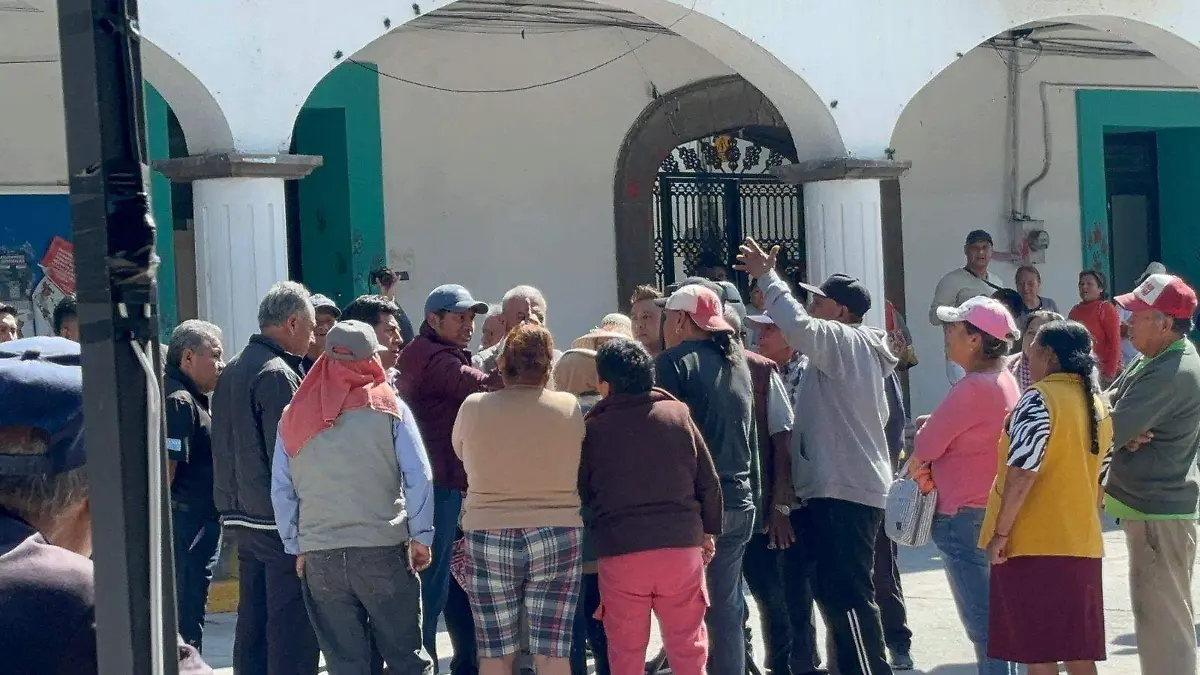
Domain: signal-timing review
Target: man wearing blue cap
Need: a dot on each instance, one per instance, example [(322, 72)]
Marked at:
[(435, 378), (47, 587)]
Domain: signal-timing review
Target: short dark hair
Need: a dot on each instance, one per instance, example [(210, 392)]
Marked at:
[(67, 308), (1181, 326), (626, 366), (369, 308), (1099, 281), (1011, 300), (9, 309)]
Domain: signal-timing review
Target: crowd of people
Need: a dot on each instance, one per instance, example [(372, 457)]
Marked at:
[(379, 477)]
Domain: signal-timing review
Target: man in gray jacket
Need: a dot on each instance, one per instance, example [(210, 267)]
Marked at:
[(841, 469), (273, 634), (1153, 485)]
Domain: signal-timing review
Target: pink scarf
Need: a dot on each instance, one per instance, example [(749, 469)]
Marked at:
[(331, 388)]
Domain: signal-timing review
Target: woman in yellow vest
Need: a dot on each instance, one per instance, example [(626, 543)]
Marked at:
[(1042, 528)]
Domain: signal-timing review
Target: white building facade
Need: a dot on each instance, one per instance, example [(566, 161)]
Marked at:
[(490, 144)]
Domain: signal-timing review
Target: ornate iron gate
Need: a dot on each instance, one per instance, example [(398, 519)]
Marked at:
[(710, 214)]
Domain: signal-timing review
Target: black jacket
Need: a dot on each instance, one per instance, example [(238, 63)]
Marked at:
[(720, 395), (253, 390), (189, 442)]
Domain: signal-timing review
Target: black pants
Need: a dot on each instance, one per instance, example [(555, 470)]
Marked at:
[(353, 594), (273, 634), (460, 624), (762, 567), (889, 595), (197, 541), (834, 555), (588, 630)]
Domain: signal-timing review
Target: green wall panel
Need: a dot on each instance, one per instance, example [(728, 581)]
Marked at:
[(1179, 201), (1100, 111), (340, 205), (158, 147)]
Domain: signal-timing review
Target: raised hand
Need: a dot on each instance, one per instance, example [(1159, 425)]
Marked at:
[(753, 260)]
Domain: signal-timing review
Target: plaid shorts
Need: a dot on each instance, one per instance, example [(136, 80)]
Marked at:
[(539, 567)]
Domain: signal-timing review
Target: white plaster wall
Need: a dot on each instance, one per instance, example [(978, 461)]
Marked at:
[(954, 132), (33, 144), (495, 190)]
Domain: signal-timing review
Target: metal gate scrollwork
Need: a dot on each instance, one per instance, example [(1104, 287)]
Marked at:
[(712, 193)]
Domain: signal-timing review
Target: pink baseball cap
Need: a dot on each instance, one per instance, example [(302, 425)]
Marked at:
[(1163, 292), (703, 306), (984, 313)]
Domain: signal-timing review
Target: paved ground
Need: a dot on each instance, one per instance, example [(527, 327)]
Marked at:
[(940, 645)]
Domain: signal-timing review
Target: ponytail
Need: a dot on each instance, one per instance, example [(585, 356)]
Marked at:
[(1072, 346), (1086, 370), (730, 346)]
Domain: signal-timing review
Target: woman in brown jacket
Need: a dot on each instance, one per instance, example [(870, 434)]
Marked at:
[(654, 507)]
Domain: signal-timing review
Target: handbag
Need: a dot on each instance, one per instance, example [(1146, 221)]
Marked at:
[(908, 514)]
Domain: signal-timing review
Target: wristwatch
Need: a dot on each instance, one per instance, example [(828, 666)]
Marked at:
[(783, 509)]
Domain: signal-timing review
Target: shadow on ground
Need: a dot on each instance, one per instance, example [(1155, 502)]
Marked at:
[(949, 669)]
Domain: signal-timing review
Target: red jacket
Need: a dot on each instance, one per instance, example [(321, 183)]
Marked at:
[(435, 378), (760, 375)]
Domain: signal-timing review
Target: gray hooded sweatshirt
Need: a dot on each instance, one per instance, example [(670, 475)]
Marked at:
[(839, 448)]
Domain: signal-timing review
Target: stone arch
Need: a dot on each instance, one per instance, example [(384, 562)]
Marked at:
[(203, 122), (712, 106), (1160, 37), (707, 28)]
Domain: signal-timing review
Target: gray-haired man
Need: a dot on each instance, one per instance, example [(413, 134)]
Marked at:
[(273, 634), (194, 362), (517, 306)]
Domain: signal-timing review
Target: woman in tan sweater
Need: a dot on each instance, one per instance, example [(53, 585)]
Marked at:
[(521, 448)]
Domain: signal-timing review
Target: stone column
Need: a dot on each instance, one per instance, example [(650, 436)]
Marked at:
[(843, 220), (241, 232)]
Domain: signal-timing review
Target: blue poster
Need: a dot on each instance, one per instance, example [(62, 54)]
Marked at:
[(28, 226)]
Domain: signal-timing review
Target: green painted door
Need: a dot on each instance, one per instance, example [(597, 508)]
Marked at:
[(336, 214)]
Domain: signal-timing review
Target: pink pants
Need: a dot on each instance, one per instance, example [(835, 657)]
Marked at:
[(667, 581)]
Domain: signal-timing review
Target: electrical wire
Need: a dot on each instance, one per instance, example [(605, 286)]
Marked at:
[(528, 87)]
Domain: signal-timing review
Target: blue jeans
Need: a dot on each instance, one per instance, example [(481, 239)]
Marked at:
[(727, 604), (197, 544), (967, 568), (435, 581)]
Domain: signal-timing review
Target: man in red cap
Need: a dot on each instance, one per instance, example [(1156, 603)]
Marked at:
[(704, 366), (1153, 487)]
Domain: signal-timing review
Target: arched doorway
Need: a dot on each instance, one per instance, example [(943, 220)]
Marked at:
[(693, 178)]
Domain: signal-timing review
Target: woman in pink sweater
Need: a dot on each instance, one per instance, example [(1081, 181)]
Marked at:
[(959, 441)]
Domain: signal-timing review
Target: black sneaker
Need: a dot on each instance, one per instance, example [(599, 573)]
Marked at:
[(901, 657)]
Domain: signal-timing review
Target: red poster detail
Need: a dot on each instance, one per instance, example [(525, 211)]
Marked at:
[(59, 264)]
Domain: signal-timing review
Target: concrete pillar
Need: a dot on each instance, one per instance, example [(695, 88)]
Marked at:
[(241, 232), (844, 235), (843, 220)]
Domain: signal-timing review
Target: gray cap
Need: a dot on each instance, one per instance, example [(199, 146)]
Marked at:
[(453, 298), (322, 302), (352, 341), (1151, 269)]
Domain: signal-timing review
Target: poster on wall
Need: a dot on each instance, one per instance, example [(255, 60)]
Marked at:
[(37, 258), (58, 281)]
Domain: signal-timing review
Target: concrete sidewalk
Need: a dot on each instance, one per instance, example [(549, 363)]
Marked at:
[(940, 646)]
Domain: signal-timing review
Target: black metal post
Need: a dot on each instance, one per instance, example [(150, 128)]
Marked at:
[(114, 251)]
